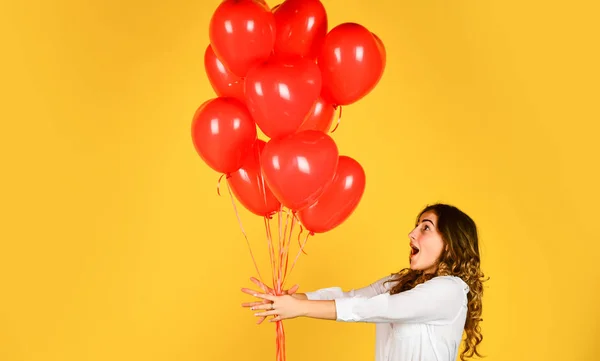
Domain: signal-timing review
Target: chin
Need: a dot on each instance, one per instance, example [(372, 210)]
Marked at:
[(415, 266)]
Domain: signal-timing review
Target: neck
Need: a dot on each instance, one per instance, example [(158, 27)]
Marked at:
[(430, 270)]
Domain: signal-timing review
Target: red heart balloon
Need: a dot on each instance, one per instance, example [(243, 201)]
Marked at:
[(281, 93), (242, 34), (381, 48), (339, 200), (223, 133), (250, 188), (223, 81), (320, 117), (301, 28), (351, 63), (299, 167)]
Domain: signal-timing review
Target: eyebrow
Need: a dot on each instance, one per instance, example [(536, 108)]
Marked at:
[(428, 220)]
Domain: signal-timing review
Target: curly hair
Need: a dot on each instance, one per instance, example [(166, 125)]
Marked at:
[(461, 258)]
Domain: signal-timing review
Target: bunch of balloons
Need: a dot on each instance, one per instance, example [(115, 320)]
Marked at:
[(282, 70)]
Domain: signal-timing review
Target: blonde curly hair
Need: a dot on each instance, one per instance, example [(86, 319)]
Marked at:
[(461, 259)]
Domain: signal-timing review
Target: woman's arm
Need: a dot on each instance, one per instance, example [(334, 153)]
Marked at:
[(332, 293), (285, 307), (436, 301), (300, 296), (325, 310)]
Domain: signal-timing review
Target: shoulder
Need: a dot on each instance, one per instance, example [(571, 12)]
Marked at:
[(447, 284)]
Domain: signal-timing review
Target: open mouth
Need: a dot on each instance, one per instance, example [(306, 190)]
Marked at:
[(413, 250)]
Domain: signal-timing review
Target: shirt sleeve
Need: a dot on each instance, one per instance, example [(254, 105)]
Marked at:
[(437, 301), (332, 293)]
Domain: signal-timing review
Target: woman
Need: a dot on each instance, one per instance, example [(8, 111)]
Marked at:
[(420, 312)]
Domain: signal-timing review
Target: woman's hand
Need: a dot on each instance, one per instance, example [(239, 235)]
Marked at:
[(267, 290), (282, 307)]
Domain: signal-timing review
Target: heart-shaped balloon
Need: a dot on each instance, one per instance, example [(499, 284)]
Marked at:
[(250, 188), (352, 62), (299, 167), (338, 201), (242, 34), (320, 117), (281, 93), (222, 80), (301, 28), (381, 48), (223, 133)]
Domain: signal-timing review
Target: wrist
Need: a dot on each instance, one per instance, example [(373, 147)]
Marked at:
[(300, 296), (323, 309), (305, 306)]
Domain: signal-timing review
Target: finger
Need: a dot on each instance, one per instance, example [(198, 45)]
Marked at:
[(261, 320), (293, 290), (252, 304), (276, 319), (249, 291), (260, 284), (268, 306), (266, 313), (266, 297)]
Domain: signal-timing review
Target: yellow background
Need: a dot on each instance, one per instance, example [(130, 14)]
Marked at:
[(115, 246)]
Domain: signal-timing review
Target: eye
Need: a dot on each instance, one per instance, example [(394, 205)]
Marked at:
[(426, 227)]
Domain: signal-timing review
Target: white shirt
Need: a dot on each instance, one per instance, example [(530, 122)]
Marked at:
[(422, 324)]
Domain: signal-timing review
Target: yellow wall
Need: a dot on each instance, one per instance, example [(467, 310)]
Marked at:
[(115, 246)]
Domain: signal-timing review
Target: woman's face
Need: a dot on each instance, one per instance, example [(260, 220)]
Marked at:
[(426, 244)]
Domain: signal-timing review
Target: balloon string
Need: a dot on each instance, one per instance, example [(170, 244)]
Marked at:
[(263, 187), (280, 341), (276, 264), (339, 118), (219, 183), (282, 238), (284, 242), (299, 243), (282, 272), (287, 247), (279, 220), (301, 250), (278, 287), (244, 232), (271, 248), (300, 234)]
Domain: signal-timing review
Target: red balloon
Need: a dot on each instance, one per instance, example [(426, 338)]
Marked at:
[(242, 34), (275, 7), (281, 93), (339, 200), (381, 48), (351, 63), (299, 167), (320, 117), (250, 188), (301, 28), (223, 81), (223, 133)]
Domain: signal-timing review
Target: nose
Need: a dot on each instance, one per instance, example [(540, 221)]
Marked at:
[(411, 235)]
